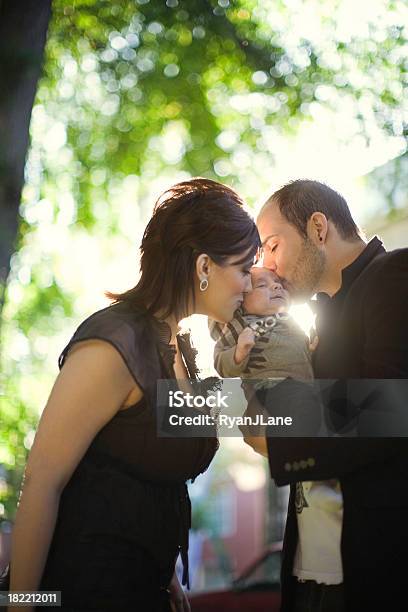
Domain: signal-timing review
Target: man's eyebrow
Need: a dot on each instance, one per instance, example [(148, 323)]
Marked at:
[(267, 238)]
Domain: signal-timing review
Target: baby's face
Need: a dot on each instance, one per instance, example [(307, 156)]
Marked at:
[(268, 295)]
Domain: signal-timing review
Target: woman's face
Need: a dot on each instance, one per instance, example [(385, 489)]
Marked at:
[(227, 285)]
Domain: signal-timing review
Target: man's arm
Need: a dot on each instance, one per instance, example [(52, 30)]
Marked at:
[(317, 456), (385, 320), (384, 355)]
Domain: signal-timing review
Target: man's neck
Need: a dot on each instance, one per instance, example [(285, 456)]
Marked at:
[(343, 255)]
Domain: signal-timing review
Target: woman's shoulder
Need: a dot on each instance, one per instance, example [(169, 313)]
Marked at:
[(129, 330), (124, 326), (113, 317)]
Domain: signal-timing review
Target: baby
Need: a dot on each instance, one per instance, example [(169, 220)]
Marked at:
[(264, 342)]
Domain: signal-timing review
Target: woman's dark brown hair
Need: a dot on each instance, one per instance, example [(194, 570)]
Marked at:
[(192, 217)]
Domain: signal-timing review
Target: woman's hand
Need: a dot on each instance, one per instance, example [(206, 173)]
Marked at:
[(254, 435), (178, 598), (258, 444)]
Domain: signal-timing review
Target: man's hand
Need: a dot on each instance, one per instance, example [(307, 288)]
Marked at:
[(178, 598), (246, 341)]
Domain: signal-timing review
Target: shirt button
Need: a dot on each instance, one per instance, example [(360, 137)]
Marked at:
[(288, 467), (311, 462)]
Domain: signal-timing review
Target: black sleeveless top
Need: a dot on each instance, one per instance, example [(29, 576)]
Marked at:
[(130, 484)]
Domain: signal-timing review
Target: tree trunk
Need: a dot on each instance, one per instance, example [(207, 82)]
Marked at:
[(23, 29)]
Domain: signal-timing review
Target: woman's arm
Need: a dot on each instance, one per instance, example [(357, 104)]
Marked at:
[(91, 387)]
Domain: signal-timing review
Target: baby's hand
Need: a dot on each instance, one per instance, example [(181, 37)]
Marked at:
[(246, 341)]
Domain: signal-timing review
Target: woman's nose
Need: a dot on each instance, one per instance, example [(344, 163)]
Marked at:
[(248, 284)]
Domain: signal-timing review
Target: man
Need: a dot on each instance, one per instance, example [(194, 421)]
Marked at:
[(346, 546)]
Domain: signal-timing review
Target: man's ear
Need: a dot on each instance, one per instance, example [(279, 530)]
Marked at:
[(317, 227), (203, 265)]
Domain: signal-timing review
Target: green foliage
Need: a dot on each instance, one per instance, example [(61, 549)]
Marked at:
[(150, 88), (390, 183), (123, 75), (16, 431)]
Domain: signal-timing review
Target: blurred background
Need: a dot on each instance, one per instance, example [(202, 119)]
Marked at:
[(103, 104)]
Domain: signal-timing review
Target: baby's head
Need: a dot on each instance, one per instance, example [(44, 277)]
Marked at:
[(267, 295)]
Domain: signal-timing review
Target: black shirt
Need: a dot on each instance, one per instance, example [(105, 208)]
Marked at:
[(127, 499), (363, 334)]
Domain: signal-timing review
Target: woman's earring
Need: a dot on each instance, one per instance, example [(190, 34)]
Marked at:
[(203, 284)]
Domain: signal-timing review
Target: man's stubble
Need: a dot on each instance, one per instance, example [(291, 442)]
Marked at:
[(307, 272)]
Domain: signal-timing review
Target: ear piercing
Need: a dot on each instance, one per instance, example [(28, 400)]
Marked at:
[(203, 284)]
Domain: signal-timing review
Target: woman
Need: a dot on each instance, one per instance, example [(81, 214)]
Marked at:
[(104, 510)]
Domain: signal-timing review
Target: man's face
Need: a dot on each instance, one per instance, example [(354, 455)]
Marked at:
[(294, 258)]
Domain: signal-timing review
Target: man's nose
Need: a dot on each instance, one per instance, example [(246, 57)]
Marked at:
[(269, 262)]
